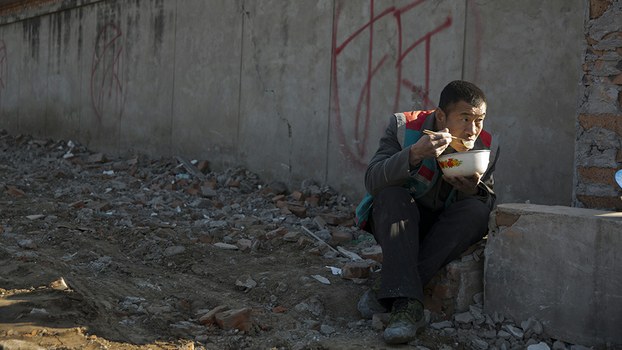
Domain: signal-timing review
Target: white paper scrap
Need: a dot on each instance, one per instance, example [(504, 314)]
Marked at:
[(334, 270), (321, 279)]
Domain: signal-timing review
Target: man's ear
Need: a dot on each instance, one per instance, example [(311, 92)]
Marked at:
[(441, 118)]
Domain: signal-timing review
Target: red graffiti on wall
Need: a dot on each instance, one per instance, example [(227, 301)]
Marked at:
[(356, 154), (106, 86)]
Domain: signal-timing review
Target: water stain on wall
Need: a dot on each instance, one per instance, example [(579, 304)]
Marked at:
[(158, 25), (31, 29)]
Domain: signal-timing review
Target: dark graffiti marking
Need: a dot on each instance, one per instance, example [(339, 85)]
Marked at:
[(106, 86), (405, 47), (3, 68)]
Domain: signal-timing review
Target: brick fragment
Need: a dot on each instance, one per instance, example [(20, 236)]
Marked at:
[(210, 317), (14, 191), (298, 210), (233, 183), (235, 319), (598, 7), (193, 190), (603, 203), (339, 236), (356, 269), (598, 175), (203, 166), (603, 120), (279, 309), (298, 196), (78, 204), (335, 219), (279, 232)]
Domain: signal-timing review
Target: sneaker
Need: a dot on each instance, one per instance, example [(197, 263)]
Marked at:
[(405, 322)]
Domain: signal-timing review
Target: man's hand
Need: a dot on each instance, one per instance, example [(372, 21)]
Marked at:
[(464, 184), (429, 146)]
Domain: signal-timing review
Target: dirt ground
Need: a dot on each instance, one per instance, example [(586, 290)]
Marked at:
[(147, 248)]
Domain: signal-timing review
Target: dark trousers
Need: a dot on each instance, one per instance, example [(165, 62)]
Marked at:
[(417, 242)]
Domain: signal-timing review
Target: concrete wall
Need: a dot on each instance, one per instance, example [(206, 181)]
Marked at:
[(295, 90)]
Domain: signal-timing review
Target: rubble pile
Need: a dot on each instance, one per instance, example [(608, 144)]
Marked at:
[(167, 253)]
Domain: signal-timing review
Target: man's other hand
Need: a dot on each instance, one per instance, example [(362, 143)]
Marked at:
[(464, 184)]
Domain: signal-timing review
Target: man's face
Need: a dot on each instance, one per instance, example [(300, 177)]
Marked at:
[(463, 121)]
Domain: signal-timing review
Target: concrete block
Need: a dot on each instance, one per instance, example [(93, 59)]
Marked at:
[(561, 265)]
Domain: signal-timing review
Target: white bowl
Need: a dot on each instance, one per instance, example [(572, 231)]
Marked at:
[(464, 163)]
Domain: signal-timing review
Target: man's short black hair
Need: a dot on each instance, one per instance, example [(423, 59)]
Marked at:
[(460, 90)]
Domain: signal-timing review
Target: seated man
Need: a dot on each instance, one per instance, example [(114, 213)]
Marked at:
[(421, 218)]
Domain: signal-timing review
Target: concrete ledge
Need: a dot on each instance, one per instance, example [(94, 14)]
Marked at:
[(561, 265)]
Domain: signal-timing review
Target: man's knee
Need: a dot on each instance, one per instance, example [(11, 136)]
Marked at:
[(394, 195), (473, 208)]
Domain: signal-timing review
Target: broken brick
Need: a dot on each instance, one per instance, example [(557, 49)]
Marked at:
[(235, 319)]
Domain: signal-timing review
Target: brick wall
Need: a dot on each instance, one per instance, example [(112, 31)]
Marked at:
[(598, 152)]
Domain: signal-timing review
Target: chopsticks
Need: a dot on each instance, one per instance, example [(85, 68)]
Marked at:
[(430, 132)]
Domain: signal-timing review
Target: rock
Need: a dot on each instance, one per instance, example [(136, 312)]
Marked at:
[(368, 305), (35, 217), (379, 321), (323, 235), (464, 317), (14, 344), (312, 305), (479, 344), (504, 335), (326, 329), (245, 283), (277, 187), (373, 252), (441, 325), (291, 236), (514, 331), (489, 334), (539, 346), (174, 250), (244, 245), (27, 244), (321, 279), (532, 325), (226, 246), (208, 192), (96, 158), (559, 345), (578, 347)]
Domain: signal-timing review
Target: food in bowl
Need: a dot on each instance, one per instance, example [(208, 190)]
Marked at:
[(464, 163)]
